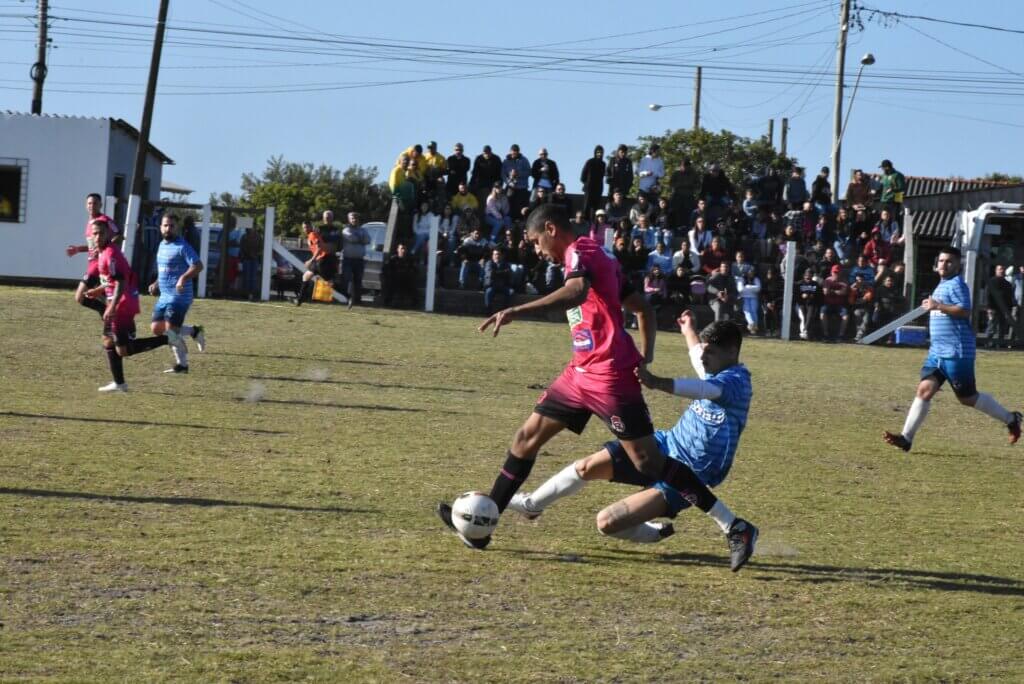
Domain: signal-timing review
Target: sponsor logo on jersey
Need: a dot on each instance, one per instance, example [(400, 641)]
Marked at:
[(715, 416), (575, 316), (582, 340), (617, 424)]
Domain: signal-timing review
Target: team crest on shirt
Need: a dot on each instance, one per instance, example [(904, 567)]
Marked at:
[(575, 316), (617, 424), (574, 261), (582, 340)]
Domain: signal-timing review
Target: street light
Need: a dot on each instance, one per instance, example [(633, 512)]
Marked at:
[(656, 107), (867, 60)]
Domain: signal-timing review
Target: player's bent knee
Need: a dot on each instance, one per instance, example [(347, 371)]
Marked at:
[(108, 343), (969, 401), (122, 351)]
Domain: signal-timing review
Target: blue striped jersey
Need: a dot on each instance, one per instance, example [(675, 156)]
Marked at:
[(172, 260), (707, 434), (951, 338)]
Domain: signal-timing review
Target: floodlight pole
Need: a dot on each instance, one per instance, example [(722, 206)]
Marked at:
[(38, 71)]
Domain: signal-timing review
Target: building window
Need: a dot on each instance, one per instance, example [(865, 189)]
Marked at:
[(119, 186), (13, 189)]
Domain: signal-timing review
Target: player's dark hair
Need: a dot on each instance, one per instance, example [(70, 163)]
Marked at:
[(98, 196), (952, 251), (724, 334), (173, 217), (101, 222), (554, 213)]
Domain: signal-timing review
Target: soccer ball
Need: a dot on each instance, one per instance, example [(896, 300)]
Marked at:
[(475, 515)]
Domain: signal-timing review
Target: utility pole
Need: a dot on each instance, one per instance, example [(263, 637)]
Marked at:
[(696, 101), (837, 136), (38, 71), (139, 171), (771, 132), (784, 136)]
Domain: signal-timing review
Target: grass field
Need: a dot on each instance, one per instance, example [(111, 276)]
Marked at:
[(269, 516)]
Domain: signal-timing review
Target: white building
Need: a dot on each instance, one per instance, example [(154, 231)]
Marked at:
[(48, 164)]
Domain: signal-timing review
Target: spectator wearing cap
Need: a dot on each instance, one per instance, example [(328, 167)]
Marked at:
[(650, 170), (436, 164), (795, 191), (858, 192), (716, 187), (599, 227), (862, 302), (894, 186), (835, 295), (458, 171), (620, 173), (592, 178), (486, 172), (544, 172), (821, 192)]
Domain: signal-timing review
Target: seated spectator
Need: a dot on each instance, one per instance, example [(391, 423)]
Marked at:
[(684, 255), (497, 213), (721, 290), (663, 222), (624, 230), (700, 236), (599, 227), (527, 258), (616, 208), (748, 286), (554, 276), (399, 277), (889, 303), (844, 222), (464, 199), (772, 292), (677, 287), (659, 258), (759, 236), (835, 295), (823, 230), (643, 207), (700, 212), (864, 268), (620, 250), (749, 204), (808, 297), (421, 228), (858, 192), (713, 256), (645, 232), (655, 287), (814, 257), (560, 198), (472, 253), (540, 196), (827, 263), (795, 192), (741, 267), (807, 222), (497, 280), (889, 229), (877, 249), (579, 223), (448, 230), (845, 249), (862, 302), (636, 262)]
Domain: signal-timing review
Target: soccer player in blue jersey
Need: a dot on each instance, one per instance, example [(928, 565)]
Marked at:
[(950, 356), (704, 440), (177, 264)]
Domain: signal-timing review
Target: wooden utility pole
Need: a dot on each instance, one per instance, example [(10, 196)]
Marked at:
[(771, 132), (784, 136), (696, 101), (132, 247), (837, 136), (38, 71)]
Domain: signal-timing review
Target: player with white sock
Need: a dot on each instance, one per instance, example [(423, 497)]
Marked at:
[(177, 264), (704, 440), (950, 356)]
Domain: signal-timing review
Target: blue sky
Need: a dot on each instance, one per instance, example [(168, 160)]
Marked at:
[(353, 83)]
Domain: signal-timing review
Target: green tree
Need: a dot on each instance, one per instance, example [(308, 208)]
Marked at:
[(998, 177), (302, 191), (739, 157)]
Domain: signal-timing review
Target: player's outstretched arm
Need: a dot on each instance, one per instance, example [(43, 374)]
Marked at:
[(573, 293)]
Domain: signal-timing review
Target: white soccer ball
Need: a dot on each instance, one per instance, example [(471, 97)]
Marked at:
[(475, 515)]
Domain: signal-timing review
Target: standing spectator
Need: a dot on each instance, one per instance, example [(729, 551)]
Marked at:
[(472, 253), (616, 208), (651, 170), (436, 168), (354, 239), (862, 302), (749, 287), (836, 295), (795, 192), (888, 302), (890, 232), (235, 256), (399, 277), (808, 294), (486, 172), (772, 292), (749, 204), (684, 184), (563, 200), (858, 192), (421, 229), (721, 289), (716, 187), (515, 172), (497, 214), (544, 172), (620, 173), (463, 199), (458, 171), (821, 192), (659, 258), (1000, 307), (252, 254), (497, 280), (894, 185), (592, 178)]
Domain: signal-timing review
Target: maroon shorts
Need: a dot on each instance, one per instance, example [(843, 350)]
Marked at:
[(615, 398), (121, 329)]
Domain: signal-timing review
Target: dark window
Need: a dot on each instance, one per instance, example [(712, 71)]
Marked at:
[(13, 181), (119, 186)]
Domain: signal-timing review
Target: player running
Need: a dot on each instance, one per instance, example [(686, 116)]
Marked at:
[(177, 264), (94, 207), (322, 264), (601, 379), (950, 356), (704, 439), (119, 284)]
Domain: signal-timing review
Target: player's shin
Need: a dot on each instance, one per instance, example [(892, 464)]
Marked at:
[(510, 479), (915, 417), (644, 533), (145, 344), (116, 365), (683, 480), (990, 407)]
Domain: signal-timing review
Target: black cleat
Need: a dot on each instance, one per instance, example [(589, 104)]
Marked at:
[(901, 442), (742, 537), (444, 512), (666, 530), (178, 368), (1014, 426)]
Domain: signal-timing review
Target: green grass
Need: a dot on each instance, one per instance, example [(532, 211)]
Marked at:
[(208, 538)]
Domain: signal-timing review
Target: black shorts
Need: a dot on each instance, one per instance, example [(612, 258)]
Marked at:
[(326, 268), (91, 280), (121, 329)]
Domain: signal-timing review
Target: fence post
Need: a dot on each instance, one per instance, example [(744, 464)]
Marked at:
[(204, 247), (268, 250), (787, 291), (428, 300)]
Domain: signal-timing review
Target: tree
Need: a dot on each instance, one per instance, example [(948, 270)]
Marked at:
[(302, 191), (998, 177), (739, 157)]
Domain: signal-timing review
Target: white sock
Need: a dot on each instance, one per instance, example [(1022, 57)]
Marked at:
[(565, 482), (721, 514), (644, 533), (990, 407), (915, 417), (187, 330), (180, 352)]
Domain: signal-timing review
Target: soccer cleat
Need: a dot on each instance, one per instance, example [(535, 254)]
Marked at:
[(200, 337), (177, 369), (114, 387), (444, 512), (1014, 426), (665, 530), (520, 504), (742, 537), (901, 442)]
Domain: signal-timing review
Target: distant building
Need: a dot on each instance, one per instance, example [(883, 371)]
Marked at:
[(48, 164)]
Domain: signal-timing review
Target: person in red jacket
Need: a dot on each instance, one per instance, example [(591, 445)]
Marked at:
[(835, 293), (877, 248)]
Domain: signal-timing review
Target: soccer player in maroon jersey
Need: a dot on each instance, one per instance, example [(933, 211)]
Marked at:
[(94, 207)]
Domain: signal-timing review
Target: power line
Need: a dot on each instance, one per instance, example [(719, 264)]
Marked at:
[(898, 15)]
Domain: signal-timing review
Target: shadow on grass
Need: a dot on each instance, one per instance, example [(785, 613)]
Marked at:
[(381, 385), (175, 501), (124, 421), (763, 570), (321, 404), (292, 357)]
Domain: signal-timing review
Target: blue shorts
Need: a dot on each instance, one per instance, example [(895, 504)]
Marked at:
[(172, 310), (624, 472), (959, 372)]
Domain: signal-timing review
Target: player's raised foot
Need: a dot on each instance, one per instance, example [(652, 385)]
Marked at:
[(665, 530), (444, 512), (520, 503), (900, 442), (178, 368), (200, 337), (1014, 426), (742, 537), (114, 387)]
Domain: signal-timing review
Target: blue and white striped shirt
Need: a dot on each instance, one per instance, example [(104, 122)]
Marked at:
[(951, 338), (172, 260), (707, 434)]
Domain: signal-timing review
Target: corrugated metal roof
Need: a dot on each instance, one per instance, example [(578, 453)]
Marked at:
[(116, 123), (933, 224), (923, 185)]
